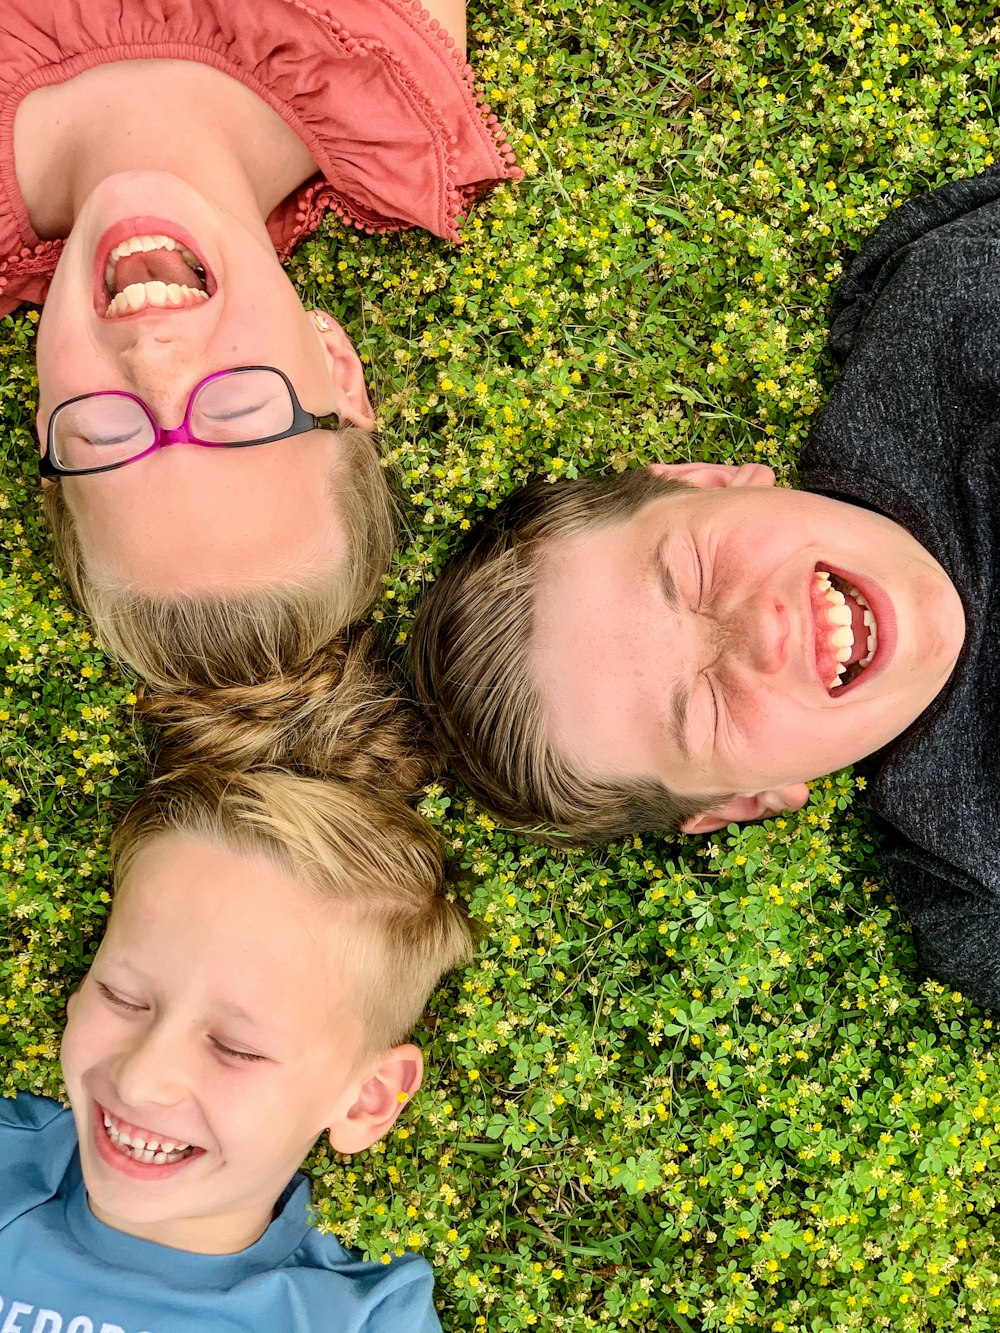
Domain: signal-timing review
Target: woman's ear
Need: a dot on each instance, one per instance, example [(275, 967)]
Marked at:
[(755, 805), (383, 1093), (713, 476), (347, 375)]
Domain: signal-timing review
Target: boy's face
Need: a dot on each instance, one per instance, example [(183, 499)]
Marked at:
[(695, 642), (217, 1016)]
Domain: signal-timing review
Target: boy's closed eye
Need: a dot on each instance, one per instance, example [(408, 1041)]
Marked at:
[(233, 1052)]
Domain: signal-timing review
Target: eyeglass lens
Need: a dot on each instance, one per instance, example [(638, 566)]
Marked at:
[(236, 408)]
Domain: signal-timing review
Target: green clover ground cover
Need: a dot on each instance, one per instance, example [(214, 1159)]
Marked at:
[(686, 1085)]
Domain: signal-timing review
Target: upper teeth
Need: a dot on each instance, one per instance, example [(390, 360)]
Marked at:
[(839, 620), (138, 295), (150, 1150)]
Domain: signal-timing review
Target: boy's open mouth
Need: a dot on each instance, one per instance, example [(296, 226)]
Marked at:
[(152, 271), (846, 630), (142, 1146)]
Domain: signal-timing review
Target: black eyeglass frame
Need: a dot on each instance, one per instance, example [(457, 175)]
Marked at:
[(50, 467)]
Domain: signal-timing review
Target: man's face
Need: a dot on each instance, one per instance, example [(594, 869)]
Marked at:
[(697, 642), (190, 518), (217, 1026)]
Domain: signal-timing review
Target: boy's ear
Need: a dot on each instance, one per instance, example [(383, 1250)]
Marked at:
[(382, 1095), (713, 476), (756, 805), (347, 375)]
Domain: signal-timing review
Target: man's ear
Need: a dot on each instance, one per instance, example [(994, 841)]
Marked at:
[(713, 476), (381, 1096), (347, 375), (756, 805)]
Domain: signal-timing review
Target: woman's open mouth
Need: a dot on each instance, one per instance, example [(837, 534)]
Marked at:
[(846, 630), (147, 270)]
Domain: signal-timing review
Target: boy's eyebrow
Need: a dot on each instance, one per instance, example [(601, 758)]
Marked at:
[(679, 701)]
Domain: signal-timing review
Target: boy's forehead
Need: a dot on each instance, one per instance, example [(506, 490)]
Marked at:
[(188, 909)]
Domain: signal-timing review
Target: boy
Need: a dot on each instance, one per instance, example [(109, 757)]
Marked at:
[(686, 646), (271, 939)]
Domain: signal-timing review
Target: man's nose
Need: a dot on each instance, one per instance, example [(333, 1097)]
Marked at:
[(760, 629)]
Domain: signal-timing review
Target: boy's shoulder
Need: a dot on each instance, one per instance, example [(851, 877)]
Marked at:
[(25, 1111), (37, 1142), (377, 1296)]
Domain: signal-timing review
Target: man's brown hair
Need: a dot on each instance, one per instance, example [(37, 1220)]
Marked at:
[(470, 661)]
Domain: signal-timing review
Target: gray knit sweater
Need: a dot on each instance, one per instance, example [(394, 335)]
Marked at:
[(912, 430)]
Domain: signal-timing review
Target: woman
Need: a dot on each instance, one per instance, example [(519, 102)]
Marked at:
[(159, 160)]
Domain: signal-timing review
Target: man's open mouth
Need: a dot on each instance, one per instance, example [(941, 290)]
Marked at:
[(146, 272), (144, 1145), (845, 627)]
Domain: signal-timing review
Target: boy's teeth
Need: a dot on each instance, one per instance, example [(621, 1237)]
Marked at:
[(151, 1151)]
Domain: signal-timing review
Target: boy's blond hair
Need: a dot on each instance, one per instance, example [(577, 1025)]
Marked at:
[(371, 855), (239, 637), (470, 653), (316, 771)]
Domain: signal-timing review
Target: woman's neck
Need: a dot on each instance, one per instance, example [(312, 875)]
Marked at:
[(165, 115)]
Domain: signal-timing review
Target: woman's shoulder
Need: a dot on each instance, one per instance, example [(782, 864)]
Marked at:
[(389, 107)]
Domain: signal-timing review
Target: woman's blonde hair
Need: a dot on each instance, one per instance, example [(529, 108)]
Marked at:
[(370, 854), (469, 657), (235, 638)]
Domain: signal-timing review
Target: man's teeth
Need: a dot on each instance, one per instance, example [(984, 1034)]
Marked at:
[(140, 295), (153, 1151), (839, 622)]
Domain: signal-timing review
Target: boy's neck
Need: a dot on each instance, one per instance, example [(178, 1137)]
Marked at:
[(225, 1233), (165, 115)]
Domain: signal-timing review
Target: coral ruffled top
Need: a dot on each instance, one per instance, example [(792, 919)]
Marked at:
[(381, 97)]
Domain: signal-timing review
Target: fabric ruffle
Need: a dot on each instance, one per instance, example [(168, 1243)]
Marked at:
[(380, 95)]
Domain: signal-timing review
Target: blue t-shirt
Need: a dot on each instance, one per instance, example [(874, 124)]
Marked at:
[(63, 1271)]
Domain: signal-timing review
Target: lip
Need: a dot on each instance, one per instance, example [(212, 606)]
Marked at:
[(885, 618), (127, 1166), (143, 224)]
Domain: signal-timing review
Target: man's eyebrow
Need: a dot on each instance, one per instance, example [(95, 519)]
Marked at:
[(661, 572), (678, 718)]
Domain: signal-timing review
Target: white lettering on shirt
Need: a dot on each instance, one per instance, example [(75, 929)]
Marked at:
[(49, 1321)]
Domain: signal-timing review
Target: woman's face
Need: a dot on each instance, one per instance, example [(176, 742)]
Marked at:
[(186, 517)]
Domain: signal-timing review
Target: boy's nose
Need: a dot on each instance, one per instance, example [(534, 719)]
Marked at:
[(151, 1073)]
